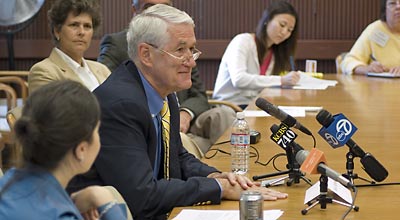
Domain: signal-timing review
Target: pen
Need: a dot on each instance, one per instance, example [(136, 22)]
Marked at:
[(291, 60), (372, 57)]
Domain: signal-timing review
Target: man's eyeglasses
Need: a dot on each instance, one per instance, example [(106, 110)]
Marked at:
[(183, 53), (392, 3)]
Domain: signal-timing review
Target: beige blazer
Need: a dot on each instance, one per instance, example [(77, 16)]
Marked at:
[(55, 68)]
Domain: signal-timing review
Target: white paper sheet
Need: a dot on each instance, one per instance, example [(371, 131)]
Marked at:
[(384, 75), (294, 111), (334, 186), (309, 82), (193, 214)]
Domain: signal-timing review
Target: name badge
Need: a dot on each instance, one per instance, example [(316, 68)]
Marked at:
[(379, 38)]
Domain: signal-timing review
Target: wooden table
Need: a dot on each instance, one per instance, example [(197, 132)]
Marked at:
[(373, 105), (14, 73)]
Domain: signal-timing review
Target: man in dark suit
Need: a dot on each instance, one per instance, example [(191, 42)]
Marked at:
[(152, 174), (199, 124)]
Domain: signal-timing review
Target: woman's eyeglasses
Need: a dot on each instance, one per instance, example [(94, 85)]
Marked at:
[(392, 3)]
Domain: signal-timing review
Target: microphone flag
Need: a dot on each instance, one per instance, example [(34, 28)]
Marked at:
[(310, 165), (338, 132)]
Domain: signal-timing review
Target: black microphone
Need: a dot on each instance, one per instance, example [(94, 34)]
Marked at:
[(371, 165), (281, 115), (301, 156)]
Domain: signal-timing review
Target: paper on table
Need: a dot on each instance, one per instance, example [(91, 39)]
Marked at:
[(194, 214), (294, 111), (308, 82), (385, 75), (306, 108), (334, 186)]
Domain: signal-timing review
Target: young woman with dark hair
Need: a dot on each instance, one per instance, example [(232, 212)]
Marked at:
[(254, 61), (58, 131)]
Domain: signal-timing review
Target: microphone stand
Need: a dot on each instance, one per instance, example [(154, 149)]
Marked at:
[(350, 167), (323, 199), (293, 171)]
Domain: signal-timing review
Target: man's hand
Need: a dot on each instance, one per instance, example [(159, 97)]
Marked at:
[(232, 192), (185, 121), (233, 179)]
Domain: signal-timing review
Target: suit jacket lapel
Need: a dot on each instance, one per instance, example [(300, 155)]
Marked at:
[(96, 72), (64, 67), (131, 74)]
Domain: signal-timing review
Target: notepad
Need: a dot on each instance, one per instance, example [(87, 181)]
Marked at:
[(384, 75)]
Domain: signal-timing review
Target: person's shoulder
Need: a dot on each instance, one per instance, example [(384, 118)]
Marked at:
[(243, 41), (117, 36), (376, 28), (244, 36), (124, 76), (378, 24), (44, 64)]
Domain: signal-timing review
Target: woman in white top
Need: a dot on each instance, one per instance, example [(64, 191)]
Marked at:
[(72, 24), (254, 61)]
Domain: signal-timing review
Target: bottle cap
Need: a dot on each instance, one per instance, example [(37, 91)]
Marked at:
[(240, 115)]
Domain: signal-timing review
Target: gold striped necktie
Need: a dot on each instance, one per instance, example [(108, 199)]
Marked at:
[(165, 119)]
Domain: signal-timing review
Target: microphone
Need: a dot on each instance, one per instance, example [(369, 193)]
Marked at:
[(371, 165), (281, 115), (318, 166), (315, 163)]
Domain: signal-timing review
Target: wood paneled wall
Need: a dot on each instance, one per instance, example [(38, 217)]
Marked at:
[(327, 27)]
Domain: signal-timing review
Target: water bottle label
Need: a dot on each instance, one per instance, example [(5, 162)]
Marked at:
[(240, 139)]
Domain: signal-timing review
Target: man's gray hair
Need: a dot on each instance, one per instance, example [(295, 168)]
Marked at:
[(151, 27)]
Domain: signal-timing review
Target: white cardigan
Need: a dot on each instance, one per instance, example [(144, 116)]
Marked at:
[(239, 80)]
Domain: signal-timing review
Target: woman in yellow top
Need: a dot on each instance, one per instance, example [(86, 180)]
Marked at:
[(72, 24), (378, 47)]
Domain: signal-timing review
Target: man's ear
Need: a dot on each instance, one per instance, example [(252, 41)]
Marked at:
[(144, 54)]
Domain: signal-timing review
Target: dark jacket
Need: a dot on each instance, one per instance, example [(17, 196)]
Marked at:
[(128, 148), (113, 51)]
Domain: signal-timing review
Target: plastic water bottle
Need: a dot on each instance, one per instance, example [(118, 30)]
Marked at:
[(240, 142)]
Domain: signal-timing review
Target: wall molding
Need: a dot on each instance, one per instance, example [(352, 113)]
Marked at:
[(212, 49)]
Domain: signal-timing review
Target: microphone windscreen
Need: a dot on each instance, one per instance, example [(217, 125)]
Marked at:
[(324, 118), (275, 112), (314, 158), (374, 169), (265, 105)]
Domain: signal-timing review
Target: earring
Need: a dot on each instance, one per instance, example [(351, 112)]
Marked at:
[(58, 38)]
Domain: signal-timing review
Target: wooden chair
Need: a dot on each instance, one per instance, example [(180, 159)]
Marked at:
[(17, 81), (21, 83), (119, 199), (339, 60), (6, 139), (15, 150), (13, 115), (214, 102)]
